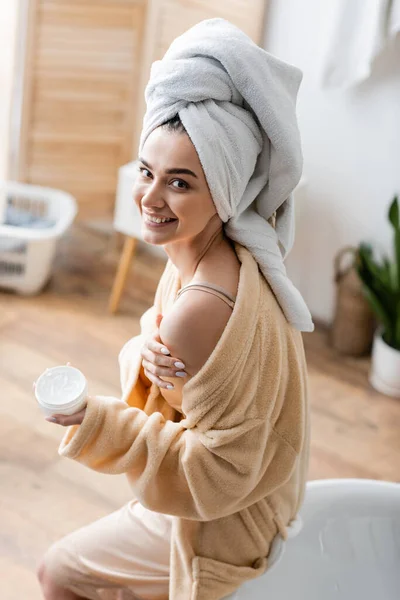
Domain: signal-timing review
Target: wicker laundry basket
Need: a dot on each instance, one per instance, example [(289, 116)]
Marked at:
[(354, 322)]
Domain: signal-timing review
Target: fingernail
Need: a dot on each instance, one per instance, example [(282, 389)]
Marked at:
[(51, 419), (181, 374), (164, 350), (179, 365), (170, 387)]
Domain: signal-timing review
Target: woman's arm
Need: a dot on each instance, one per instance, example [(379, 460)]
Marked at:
[(183, 472), (202, 319), (193, 327), (190, 473)]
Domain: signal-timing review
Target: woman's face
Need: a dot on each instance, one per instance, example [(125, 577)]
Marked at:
[(171, 184)]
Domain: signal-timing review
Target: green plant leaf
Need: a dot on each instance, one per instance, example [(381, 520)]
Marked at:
[(397, 255), (378, 273), (394, 218), (381, 289), (387, 274), (377, 308), (397, 328), (394, 213), (393, 277)]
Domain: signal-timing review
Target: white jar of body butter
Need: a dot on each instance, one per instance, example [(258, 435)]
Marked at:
[(61, 391)]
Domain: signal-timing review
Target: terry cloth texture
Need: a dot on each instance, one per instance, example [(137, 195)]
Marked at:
[(232, 469), (237, 103)]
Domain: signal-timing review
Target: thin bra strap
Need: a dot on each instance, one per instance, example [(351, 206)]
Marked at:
[(215, 290), (211, 286)]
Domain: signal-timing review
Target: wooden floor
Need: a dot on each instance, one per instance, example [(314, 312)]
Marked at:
[(356, 431)]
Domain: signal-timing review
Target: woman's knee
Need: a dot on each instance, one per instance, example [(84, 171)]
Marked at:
[(53, 572)]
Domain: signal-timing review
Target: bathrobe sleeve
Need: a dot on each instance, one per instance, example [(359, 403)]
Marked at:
[(170, 468), (189, 469), (234, 447), (130, 356)]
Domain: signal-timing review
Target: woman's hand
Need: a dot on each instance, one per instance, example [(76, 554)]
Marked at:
[(156, 361), (65, 421)]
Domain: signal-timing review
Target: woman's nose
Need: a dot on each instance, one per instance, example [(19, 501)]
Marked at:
[(152, 197)]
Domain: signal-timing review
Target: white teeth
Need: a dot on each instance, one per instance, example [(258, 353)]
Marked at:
[(156, 220)]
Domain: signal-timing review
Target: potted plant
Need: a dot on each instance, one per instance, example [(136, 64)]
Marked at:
[(381, 286)]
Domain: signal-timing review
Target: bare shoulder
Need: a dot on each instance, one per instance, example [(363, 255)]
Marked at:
[(193, 327)]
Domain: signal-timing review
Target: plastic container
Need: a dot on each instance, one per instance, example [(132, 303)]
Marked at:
[(61, 391), (32, 219)]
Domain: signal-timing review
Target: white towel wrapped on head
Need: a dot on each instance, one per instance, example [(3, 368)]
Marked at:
[(237, 103)]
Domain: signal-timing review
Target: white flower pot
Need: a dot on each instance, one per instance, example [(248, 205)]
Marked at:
[(385, 369)]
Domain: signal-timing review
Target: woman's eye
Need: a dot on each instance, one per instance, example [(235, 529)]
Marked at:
[(143, 171), (183, 186)]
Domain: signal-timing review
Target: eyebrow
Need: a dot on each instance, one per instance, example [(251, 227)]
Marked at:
[(176, 171)]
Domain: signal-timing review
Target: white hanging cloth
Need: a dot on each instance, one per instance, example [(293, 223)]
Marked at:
[(361, 29)]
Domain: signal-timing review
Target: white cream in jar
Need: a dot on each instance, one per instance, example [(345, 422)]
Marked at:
[(61, 390)]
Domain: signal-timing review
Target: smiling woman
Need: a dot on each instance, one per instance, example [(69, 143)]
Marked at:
[(180, 214), (184, 202), (218, 464)]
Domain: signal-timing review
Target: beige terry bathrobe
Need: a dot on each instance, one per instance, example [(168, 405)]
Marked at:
[(232, 468)]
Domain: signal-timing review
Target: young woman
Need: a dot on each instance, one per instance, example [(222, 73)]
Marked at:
[(212, 428)]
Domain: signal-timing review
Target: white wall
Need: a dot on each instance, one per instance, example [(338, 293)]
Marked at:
[(351, 146), (8, 22)]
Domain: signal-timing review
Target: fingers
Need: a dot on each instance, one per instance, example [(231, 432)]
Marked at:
[(156, 337), (67, 420), (169, 365), (158, 381), (161, 371), (157, 361), (155, 346)]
